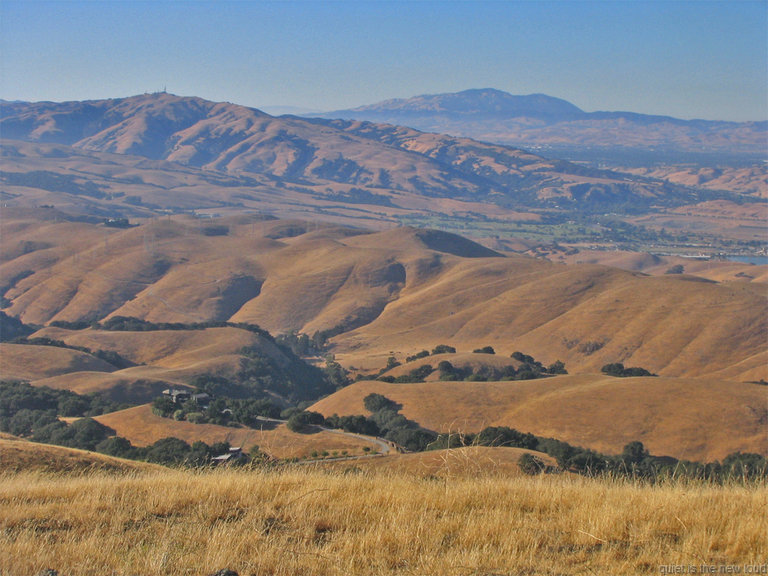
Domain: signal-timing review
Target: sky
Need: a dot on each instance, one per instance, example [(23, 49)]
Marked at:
[(689, 59)]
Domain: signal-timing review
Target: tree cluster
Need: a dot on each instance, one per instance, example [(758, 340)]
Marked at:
[(385, 421), (617, 369)]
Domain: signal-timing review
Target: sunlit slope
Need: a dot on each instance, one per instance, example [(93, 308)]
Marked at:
[(586, 316), (142, 427), (467, 462), (695, 419), (24, 362), (397, 291), (162, 348)]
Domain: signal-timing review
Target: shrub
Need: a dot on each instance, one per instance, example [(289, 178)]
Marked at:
[(485, 350), (531, 464), (417, 356), (443, 349), (196, 417)]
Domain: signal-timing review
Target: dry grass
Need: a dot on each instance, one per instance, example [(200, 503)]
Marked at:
[(294, 522), (17, 455), (466, 462)]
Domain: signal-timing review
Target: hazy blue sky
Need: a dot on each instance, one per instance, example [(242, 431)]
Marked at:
[(695, 59)]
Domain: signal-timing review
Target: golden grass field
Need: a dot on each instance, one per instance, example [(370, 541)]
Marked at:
[(462, 462), (314, 522)]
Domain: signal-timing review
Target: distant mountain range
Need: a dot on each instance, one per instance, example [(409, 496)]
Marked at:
[(538, 121), (241, 153)]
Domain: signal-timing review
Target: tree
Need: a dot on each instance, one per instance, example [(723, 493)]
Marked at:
[(443, 349), (617, 369), (163, 406), (634, 453), (557, 368), (116, 446), (168, 451), (484, 350), (375, 402), (613, 369), (301, 421)]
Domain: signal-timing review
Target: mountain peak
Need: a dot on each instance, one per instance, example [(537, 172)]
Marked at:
[(479, 103)]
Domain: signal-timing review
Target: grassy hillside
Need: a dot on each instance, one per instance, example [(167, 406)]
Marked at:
[(25, 362), (116, 387), (312, 522), (17, 456), (398, 291), (691, 419), (467, 462), (142, 428)]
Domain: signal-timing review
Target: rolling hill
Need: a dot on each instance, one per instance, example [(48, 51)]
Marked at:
[(392, 292), (692, 419), (19, 455), (142, 428)]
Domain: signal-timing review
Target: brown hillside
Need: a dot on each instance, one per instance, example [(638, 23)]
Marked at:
[(17, 455), (114, 386), (142, 427), (469, 462), (701, 419), (162, 348), (397, 291), (326, 158), (25, 362)]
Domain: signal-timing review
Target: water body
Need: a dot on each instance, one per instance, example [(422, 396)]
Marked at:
[(749, 259)]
